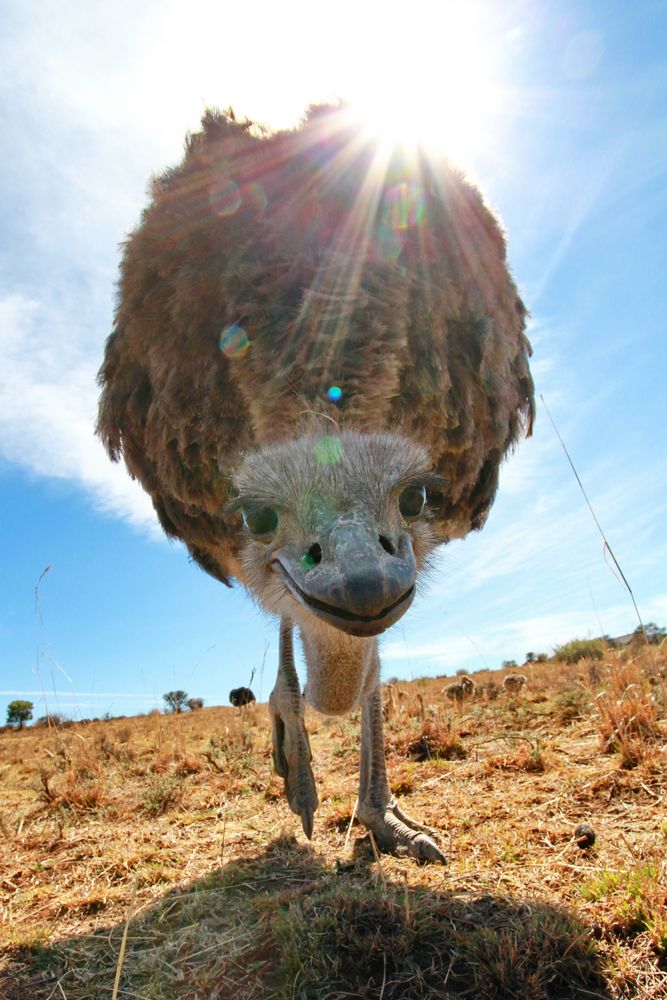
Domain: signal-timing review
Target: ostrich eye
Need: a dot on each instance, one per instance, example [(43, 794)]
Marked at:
[(411, 502), (260, 520)]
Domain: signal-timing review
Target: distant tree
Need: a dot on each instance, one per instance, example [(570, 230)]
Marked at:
[(530, 657), (654, 633), (508, 663), (462, 672), (542, 657), (195, 703), (176, 700), (19, 712)]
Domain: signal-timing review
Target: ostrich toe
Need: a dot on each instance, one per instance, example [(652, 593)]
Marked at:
[(291, 759), (399, 834)]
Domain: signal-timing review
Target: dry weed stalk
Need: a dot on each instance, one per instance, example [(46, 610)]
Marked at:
[(123, 943)]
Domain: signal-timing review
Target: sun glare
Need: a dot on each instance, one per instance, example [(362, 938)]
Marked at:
[(437, 86), (428, 73)]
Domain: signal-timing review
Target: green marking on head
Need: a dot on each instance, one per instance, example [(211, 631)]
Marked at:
[(329, 450)]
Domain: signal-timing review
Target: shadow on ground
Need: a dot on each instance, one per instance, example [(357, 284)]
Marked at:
[(286, 926)]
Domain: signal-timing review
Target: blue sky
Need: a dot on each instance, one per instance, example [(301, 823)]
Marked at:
[(558, 111)]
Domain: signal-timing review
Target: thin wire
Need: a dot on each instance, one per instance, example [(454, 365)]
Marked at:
[(39, 637), (607, 546), (471, 641)]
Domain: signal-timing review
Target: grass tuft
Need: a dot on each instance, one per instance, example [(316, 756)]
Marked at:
[(435, 741), (344, 942), (637, 902), (628, 714), (163, 791)]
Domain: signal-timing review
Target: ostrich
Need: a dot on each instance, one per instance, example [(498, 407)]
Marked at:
[(468, 684), (513, 683), (318, 363), (456, 692), (241, 696)]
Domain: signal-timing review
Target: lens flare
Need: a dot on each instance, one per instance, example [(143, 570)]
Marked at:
[(335, 393), (234, 341), (329, 450), (403, 206), (224, 197)]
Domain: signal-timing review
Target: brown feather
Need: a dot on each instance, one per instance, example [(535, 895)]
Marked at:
[(394, 287)]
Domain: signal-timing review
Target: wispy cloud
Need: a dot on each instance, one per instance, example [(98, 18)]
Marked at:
[(451, 649), (75, 188), (77, 704), (48, 402), (71, 695)]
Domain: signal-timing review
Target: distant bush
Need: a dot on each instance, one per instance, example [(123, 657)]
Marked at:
[(581, 649), (195, 703), (54, 719), (509, 663), (542, 658)]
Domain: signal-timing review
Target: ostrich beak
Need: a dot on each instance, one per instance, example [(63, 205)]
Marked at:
[(357, 581)]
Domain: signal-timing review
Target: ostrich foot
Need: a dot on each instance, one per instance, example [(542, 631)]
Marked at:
[(399, 834), (291, 760)]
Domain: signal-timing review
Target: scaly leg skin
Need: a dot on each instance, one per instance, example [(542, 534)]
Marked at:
[(291, 747), (395, 831)]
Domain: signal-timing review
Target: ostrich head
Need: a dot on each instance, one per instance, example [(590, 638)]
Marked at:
[(336, 527)]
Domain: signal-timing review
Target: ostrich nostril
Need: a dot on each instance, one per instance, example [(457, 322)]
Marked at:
[(387, 545), (314, 554)]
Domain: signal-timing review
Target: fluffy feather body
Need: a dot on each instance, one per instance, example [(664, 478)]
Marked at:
[(387, 281)]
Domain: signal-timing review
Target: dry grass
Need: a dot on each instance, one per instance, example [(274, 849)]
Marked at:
[(630, 708), (183, 815)]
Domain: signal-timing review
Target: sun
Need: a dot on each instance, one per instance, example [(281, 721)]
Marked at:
[(427, 72), (432, 80)]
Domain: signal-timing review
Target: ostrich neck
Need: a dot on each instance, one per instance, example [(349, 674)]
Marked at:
[(340, 668)]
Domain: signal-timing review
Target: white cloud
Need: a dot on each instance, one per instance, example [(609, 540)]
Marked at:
[(48, 402)]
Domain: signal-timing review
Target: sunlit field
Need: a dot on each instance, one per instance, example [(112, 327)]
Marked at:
[(172, 830)]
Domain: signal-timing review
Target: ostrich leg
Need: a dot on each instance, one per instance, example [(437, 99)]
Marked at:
[(394, 830), (291, 747)]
